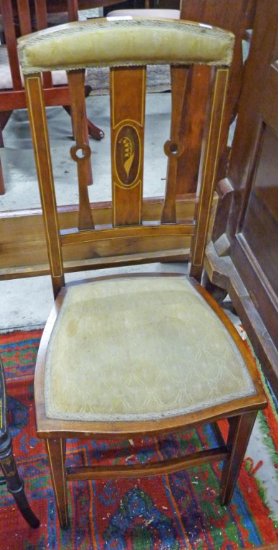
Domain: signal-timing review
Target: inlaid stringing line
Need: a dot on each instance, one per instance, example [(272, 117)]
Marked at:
[(143, 106), (37, 81), (212, 119), (63, 470)]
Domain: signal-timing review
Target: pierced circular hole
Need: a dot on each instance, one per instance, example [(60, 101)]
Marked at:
[(80, 153), (173, 148)]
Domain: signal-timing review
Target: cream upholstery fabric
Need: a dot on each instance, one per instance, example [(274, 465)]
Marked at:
[(137, 348), (105, 42), (6, 83)]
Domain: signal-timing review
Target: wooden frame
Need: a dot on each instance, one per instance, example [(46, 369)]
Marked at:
[(127, 223), (43, 161), (24, 249)]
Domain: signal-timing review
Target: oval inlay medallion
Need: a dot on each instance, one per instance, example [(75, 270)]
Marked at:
[(127, 155)]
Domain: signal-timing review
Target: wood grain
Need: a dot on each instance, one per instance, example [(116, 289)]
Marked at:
[(249, 221)]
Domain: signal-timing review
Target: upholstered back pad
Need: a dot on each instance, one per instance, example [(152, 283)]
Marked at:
[(106, 42)]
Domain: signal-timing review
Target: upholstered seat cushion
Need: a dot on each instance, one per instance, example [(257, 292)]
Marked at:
[(140, 347)]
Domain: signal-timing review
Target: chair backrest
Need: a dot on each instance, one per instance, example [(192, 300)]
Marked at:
[(131, 233)]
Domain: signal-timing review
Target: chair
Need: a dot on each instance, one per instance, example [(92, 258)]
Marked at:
[(18, 19), (15, 484), (130, 355)]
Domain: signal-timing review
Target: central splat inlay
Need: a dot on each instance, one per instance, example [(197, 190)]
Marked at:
[(127, 155)]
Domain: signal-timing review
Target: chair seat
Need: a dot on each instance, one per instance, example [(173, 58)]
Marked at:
[(140, 348)]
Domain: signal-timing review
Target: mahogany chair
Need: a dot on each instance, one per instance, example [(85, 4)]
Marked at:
[(130, 355), (19, 18)]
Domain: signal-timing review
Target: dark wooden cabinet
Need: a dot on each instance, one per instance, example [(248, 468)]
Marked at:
[(243, 256)]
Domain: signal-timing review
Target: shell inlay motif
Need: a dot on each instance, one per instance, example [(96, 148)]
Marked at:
[(127, 155)]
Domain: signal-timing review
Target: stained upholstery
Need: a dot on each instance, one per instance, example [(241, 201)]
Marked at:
[(111, 42), (6, 83), (140, 347)]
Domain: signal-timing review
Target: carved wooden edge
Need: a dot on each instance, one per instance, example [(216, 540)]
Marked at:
[(222, 272)]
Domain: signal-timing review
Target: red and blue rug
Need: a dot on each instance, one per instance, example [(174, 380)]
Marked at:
[(175, 512)]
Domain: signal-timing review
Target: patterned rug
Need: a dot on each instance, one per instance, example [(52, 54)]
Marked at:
[(179, 511)]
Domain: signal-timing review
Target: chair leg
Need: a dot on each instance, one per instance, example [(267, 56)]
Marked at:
[(4, 117), (15, 484), (238, 438), (56, 453), (93, 130)]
